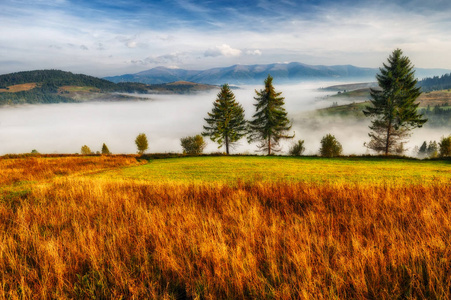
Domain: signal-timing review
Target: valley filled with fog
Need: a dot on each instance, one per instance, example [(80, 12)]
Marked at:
[(65, 127)]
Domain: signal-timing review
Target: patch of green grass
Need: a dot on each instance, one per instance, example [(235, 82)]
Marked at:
[(360, 93), (353, 109), (79, 89), (309, 169)]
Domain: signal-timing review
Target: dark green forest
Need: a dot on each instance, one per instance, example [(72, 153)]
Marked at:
[(436, 83)]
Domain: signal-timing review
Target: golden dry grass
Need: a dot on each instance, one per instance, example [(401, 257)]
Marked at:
[(85, 237), (35, 168), (435, 98), (19, 88)]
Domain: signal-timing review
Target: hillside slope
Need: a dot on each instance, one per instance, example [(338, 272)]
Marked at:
[(54, 86)]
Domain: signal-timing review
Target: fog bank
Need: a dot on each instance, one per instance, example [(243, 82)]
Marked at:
[(64, 128)]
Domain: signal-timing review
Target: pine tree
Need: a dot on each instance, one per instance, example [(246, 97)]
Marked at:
[(270, 123), (423, 151), (393, 109), (226, 123), (105, 149)]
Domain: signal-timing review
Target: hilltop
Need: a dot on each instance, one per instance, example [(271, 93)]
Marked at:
[(54, 86)]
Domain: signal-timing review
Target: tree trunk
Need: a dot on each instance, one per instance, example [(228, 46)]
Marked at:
[(269, 145), (227, 144), (387, 142)]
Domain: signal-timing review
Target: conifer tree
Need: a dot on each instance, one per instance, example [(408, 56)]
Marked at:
[(423, 151), (270, 123), (393, 109), (105, 149), (226, 123)]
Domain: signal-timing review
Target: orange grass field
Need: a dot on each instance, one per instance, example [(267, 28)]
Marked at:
[(98, 227)]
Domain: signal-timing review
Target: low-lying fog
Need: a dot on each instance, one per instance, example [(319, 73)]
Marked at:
[(64, 128)]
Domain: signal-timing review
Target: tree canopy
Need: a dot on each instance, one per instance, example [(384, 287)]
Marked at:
[(393, 109), (141, 143), (270, 123), (225, 123)]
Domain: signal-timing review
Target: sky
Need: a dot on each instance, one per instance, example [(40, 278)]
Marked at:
[(114, 37)]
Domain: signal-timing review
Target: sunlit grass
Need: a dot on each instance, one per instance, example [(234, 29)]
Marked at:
[(308, 169), (224, 228)]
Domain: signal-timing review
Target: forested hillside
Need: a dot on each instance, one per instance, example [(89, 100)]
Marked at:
[(50, 80), (436, 83), (53, 86)]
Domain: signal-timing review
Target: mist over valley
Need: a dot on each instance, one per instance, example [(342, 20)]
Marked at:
[(65, 127)]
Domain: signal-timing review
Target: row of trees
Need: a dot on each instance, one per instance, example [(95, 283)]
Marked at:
[(330, 146), (226, 124), (393, 112), (434, 149)]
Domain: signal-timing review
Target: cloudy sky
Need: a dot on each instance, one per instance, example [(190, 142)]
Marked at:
[(112, 37)]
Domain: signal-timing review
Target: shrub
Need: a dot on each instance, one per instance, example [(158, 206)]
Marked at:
[(141, 143), (85, 150), (445, 146), (330, 147), (297, 148), (193, 144)]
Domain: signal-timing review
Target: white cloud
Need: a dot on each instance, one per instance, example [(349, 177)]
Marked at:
[(223, 50), (362, 35), (254, 52)]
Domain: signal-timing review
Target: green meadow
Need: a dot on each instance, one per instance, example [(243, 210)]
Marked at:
[(306, 169)]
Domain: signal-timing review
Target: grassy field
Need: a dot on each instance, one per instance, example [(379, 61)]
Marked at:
[(114, 227), (307, 169)]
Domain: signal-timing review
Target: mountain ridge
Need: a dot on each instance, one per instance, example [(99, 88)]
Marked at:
[(251, 74)]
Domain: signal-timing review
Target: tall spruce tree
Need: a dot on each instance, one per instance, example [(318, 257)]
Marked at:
[(270, 123), (393, 109), (226, 123)]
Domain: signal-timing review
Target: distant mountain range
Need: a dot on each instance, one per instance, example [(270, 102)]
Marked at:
[(251, 74)]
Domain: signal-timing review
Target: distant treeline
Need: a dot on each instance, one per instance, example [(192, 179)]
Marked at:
[(436, 83), (437, 116), (32, 97)]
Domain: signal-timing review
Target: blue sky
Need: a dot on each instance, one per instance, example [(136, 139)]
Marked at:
[(114, 37)]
